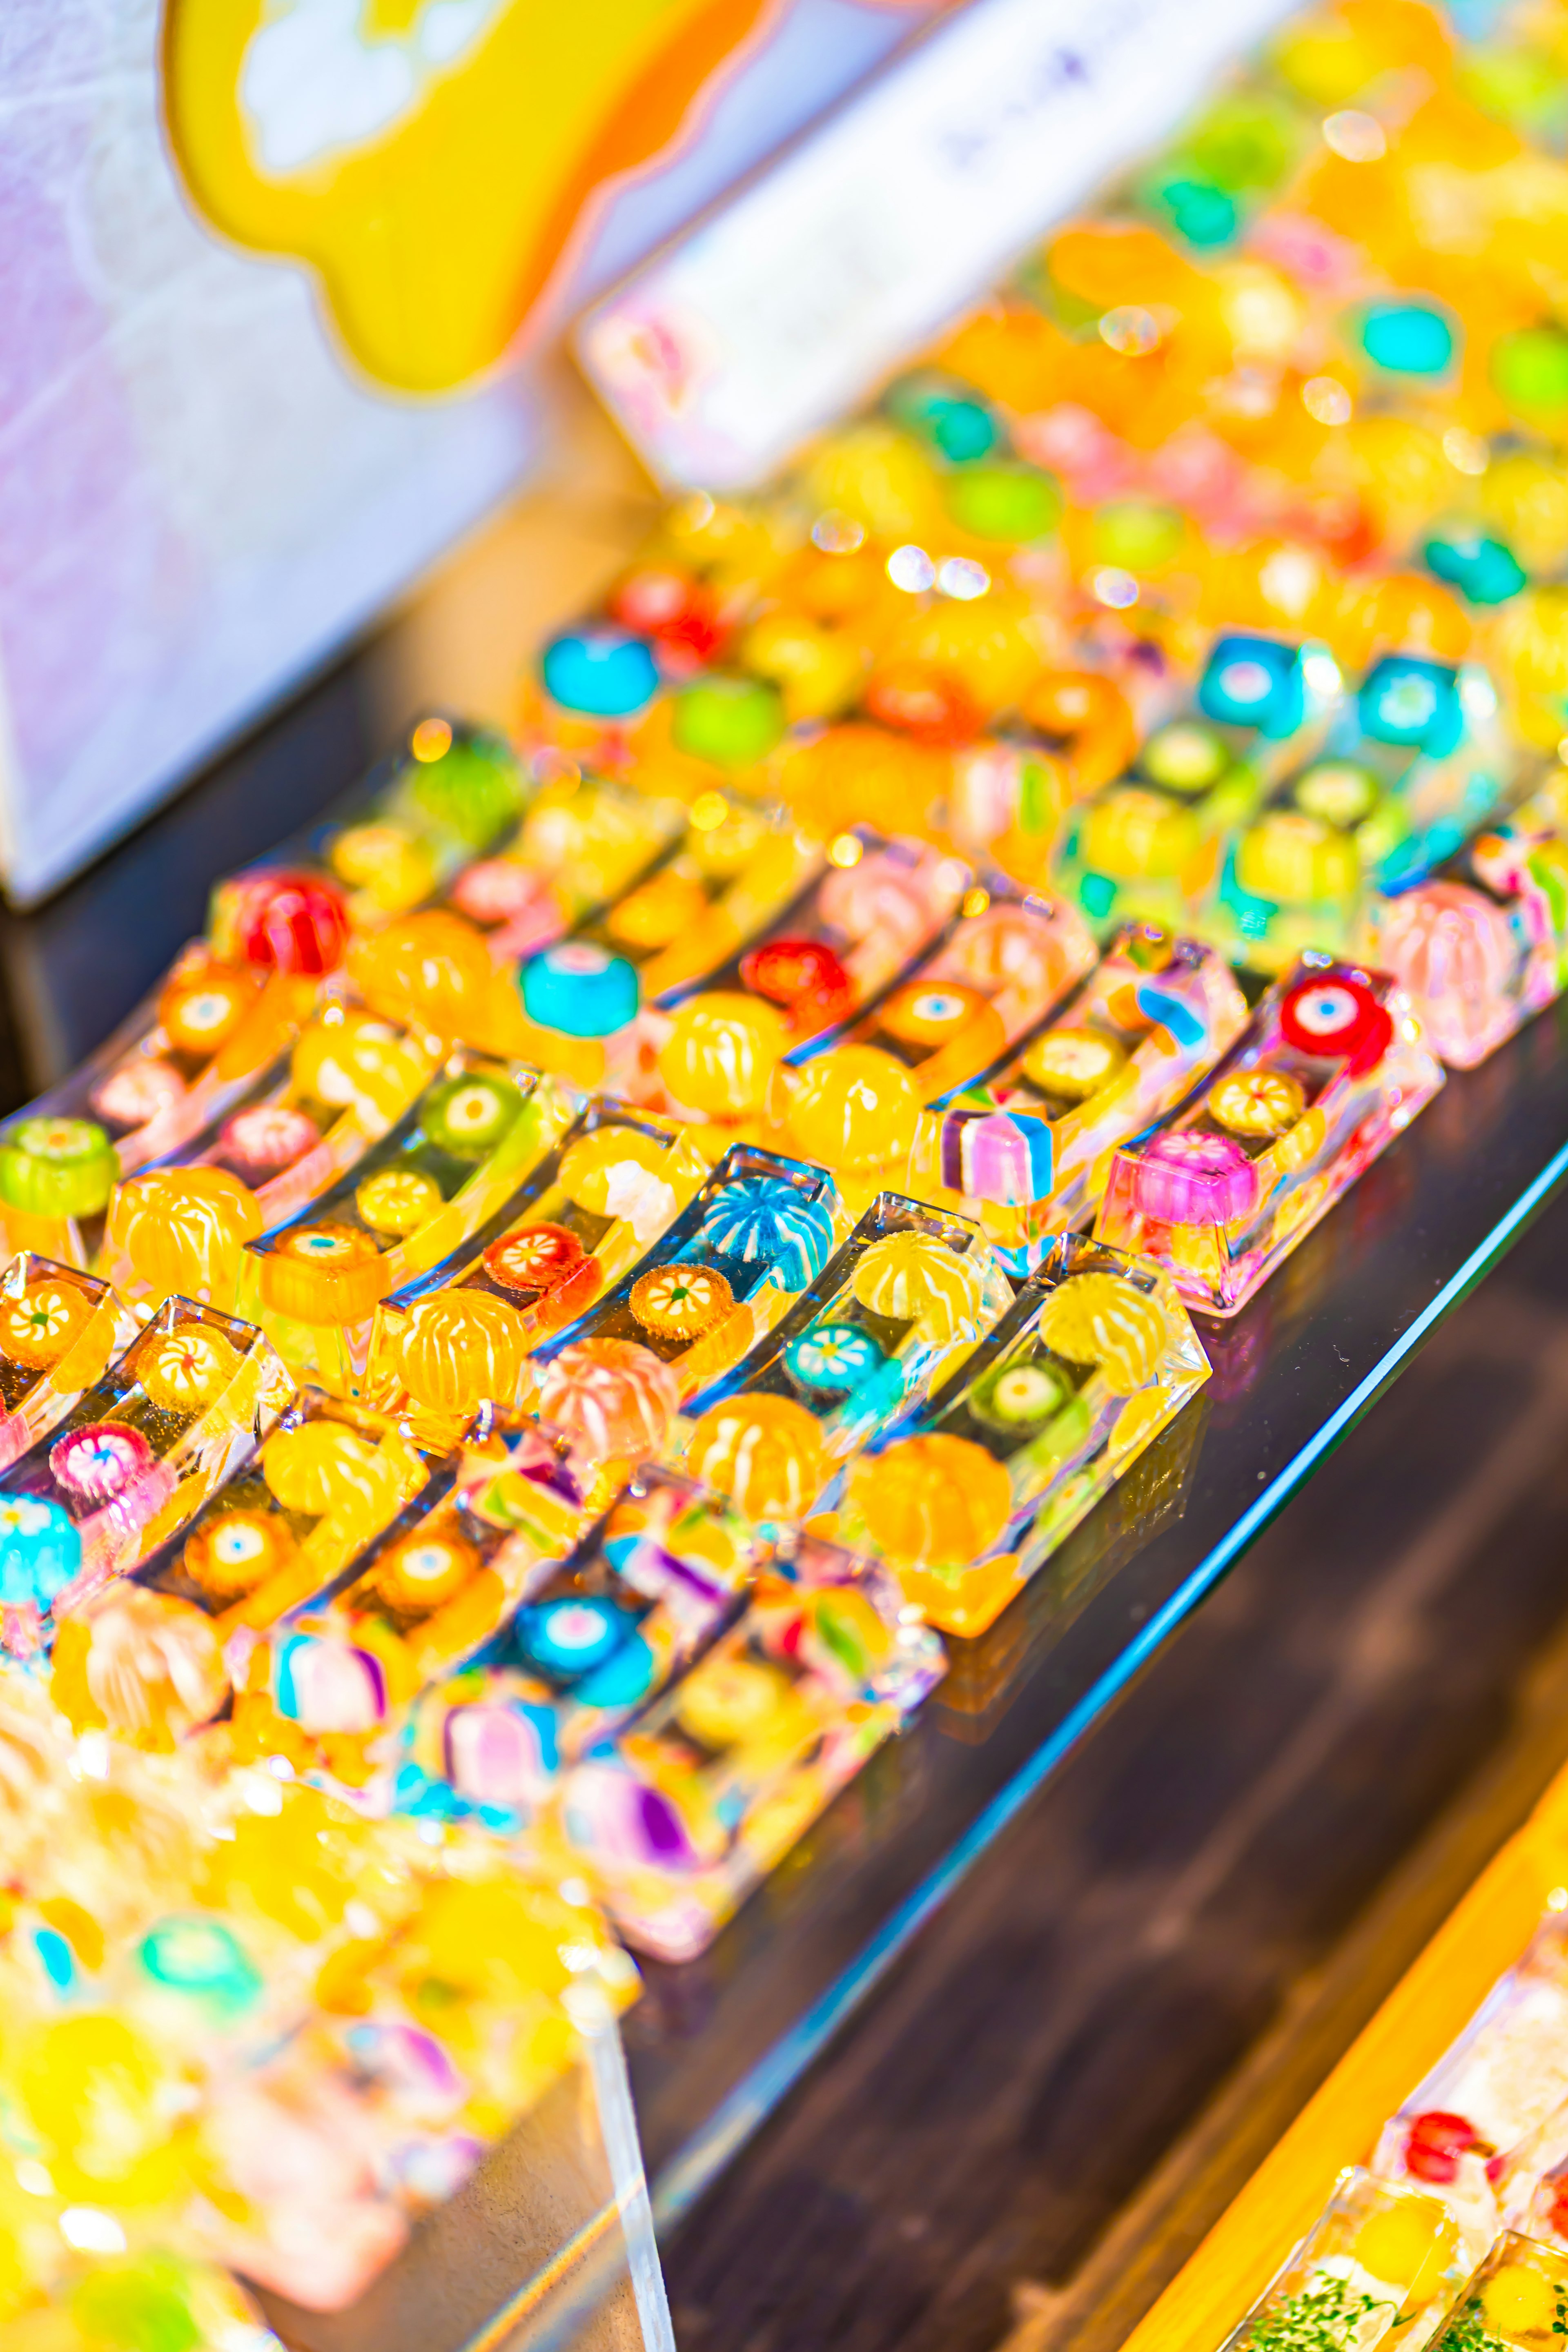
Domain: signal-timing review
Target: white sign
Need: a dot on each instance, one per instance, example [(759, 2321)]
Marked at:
[(783, 309)]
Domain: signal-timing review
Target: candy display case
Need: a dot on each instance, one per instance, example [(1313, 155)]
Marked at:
[(1026, 1151), (1333, 1065)]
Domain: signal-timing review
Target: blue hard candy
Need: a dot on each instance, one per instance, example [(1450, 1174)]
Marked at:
[(40, 1550), (605, 673), (582, 990)]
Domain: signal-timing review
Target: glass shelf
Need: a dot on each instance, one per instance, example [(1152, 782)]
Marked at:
[(715, 2044)]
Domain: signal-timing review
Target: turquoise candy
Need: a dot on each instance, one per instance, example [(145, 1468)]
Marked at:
[(1254, 682), (946, 414), (730, 720), (760, 1218), (40, 1550), (605, 673), (580, 989), (1407, 337), (1200, 212), (1484, 570), (837, 1358), (201, 1959), (569, 1637)]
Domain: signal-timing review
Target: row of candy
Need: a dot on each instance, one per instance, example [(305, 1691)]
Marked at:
[(245, 2027), (1457, 2234)]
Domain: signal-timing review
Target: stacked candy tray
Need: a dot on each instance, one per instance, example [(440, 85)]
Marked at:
[(635, 1251)]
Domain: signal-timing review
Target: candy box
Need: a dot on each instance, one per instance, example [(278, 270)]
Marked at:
[(59, 1328), (133, 1459), (855, 1107), (335, 1677), (1332, 1067), (1382, 2262), (969, 1496), (1026, 1150), (1146, 849), (756, 1237), (157, 1657), (680, 1817), (414, 1202), (911, 1291), (646, 1592), (842, 943), (598, 1200), (1483, 945)]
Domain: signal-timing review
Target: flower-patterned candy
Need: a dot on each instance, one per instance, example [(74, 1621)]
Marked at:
[(40, 1326), (189, 1371), (100, 1459), (40, 1550), (681, 1302), (230, 1554)]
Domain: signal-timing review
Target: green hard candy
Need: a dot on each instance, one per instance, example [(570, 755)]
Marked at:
[(1531, 368), (474, 789), (1003, 502), (730, 720)]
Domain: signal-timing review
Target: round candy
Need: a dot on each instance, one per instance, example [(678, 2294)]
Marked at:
[(1009, 947), (347, 1057), (600, 1167), (604, 673), (183, 1229), (1260, 1103), (138, 1091), (833, 1356), (200, 1957), (1189, 1179), (1073, 1063), (57, 1166), (921, 702), (914, 1278), (580, 989), (681, 1301), (1295, 860), (536, 1258), (879, 896), (432, 969), (1444, 941), (728, 1701), (154, 1667), (319, 1466), (261, 1143), (1099, 1318), (1184, 757), (1009, 503), (930, 1015), (670, 606), (931, 1502), (100, 1460), (1406, 337), (761, 1220), (1020, 1396), (468, 1116), (571, 1635), (719, 1057), (767, 1452), (421, 1571), (857, 1107), (459, 1347), (804, 976), (397, 1200), (38, 1328), (1133, 836), (617, 1398), (326, 1275), (500, 890), (188, 1370), (1336, 791), (733, 722), (1484, 570), (664, 906), (393, 870), (463, 780), (235, 1550), (200, 1012), (291, 922), (40, 1550), (1338, 1016)]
